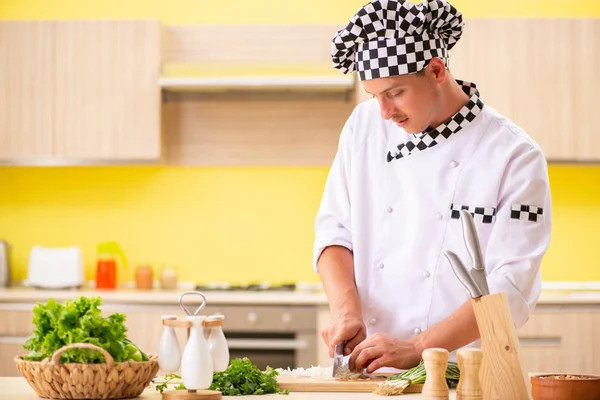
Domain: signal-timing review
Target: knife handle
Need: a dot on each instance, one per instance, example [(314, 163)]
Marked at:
[(471, 239), (462, 274)]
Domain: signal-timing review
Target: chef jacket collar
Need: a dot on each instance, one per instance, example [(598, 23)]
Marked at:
[(433, 136)]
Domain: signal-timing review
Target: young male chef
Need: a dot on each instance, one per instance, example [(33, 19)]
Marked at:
[(425, 146)]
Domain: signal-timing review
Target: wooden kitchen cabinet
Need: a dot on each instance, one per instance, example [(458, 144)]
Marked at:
[(82, 91), (26, 90), (541, 73), (561, 339), (16, 327)]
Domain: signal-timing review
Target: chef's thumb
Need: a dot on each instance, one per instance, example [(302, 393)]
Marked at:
[(351, 344)]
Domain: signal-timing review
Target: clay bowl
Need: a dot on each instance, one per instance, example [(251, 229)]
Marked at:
[(565, 387)]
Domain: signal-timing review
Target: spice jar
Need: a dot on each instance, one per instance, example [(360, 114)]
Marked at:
[(143, 277), (168, 279)]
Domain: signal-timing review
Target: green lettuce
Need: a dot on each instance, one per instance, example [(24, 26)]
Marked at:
[(79, 321)]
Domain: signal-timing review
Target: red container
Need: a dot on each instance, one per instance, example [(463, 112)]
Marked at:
[(106, 274)]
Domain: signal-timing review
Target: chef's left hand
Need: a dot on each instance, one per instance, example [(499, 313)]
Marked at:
[(378, 351)]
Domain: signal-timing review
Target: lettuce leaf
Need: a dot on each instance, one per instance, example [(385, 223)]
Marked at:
[(79, 321)]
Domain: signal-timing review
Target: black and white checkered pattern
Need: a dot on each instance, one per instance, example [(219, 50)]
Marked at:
[(432, 136), (480, 214), (395, 37), (525, 212)]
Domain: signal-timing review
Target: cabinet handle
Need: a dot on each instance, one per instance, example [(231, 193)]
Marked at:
[(13, 339), (267, 344), (540, 341)]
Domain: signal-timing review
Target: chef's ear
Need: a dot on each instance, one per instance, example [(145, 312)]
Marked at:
[(436, 70)]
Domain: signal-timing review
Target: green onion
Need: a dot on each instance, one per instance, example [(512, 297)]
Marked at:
[(396, 384)]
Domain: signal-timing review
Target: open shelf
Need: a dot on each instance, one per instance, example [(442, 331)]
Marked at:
[(319, 83)]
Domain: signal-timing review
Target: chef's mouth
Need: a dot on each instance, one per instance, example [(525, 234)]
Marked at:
[(401, 121)]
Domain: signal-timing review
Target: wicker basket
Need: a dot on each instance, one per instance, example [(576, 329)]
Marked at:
[(110, 380)]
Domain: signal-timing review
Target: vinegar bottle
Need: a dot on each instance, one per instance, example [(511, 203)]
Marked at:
[(217, 344), (196, 362), (169, 354)]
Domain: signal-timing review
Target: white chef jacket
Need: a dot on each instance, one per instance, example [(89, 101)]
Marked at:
[(395, 213)]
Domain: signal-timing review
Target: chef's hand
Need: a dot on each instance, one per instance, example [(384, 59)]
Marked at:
[(380, 351), (345, 327)]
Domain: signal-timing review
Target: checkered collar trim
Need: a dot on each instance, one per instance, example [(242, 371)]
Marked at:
[(434, 136), (395, 37)]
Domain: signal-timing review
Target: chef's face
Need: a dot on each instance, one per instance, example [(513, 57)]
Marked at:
[(412, 101)]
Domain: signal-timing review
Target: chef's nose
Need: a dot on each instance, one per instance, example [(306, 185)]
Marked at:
[(387, 109)]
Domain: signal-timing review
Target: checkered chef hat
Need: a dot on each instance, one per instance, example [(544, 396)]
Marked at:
[(394, 37)]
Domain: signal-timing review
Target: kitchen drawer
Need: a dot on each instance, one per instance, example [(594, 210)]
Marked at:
[(9, 349), (16, 319), (266, 318)]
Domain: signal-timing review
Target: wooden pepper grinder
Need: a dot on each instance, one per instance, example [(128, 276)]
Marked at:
[(436, 362), (469, 363)]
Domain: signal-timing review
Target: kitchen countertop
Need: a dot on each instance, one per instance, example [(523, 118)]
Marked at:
[(169, 297), (166, 297), (19, 389)]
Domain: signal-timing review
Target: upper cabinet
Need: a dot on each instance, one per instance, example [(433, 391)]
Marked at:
[(252, 95), (102, 91), (540, 73), (80, 91), (27, 87)]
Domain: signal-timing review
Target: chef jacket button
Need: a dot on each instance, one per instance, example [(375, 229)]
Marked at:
[(389, 209), (372, 321), (426, 274), (453, 164), (417, 331), (380, 265), (439, 216)]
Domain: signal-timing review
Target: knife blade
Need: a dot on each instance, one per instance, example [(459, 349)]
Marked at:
[(474, 248), (463, 275), (338, 358)]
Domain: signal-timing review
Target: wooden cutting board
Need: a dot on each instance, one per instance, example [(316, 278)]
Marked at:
[(332, 385)]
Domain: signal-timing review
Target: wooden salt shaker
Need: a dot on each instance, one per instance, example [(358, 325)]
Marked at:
[(469, 363), (436, 362)]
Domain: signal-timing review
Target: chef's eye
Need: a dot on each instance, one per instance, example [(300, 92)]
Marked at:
[(395, 94)]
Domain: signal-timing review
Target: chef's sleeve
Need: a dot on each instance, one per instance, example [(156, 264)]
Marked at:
[(521, 233), (332, 223)]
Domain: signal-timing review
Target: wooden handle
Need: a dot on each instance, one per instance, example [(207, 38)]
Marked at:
[(110, 362), (436, 362), (501, 372), (469, 363)]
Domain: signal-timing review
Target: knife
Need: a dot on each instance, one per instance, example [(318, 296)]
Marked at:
[(474, 249), (338, 358), (463, 275)]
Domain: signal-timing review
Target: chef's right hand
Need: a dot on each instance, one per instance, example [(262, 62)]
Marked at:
[(350, 328)]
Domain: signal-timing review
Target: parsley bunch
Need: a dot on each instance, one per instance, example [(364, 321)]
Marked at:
[(242, 378)]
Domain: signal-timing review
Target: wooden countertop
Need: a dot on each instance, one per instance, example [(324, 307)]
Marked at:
[(170, 297), (19, 389)]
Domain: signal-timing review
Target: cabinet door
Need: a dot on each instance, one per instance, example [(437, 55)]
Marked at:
[(26, 89), (15, 329), (541, 73), (107, 98), (561, 340)]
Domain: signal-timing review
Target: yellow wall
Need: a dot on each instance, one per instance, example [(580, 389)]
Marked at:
[(270, 11), (234, 223)]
